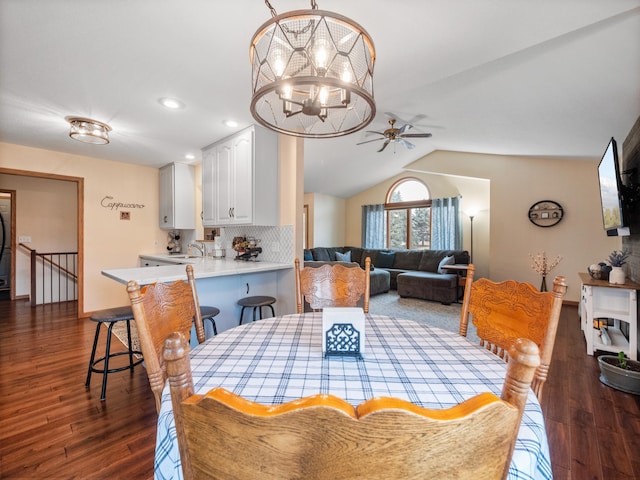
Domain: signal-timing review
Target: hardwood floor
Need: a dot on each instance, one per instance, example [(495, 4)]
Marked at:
[(53, 428)]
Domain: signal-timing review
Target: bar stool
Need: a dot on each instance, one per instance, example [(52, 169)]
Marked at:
[(111, 316), (207, 313), (256, 302)]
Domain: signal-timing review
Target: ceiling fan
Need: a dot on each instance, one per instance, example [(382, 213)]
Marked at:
[(396, 135)]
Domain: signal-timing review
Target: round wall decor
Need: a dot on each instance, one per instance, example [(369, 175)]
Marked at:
[(545, 213)]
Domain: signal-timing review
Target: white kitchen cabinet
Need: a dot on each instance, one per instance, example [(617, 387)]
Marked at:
[(601, 300), (240, 179), (177, 203)]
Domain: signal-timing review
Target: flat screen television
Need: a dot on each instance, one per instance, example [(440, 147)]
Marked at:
[(611, 198)]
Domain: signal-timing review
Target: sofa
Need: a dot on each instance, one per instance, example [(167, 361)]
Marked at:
[(413, 273)]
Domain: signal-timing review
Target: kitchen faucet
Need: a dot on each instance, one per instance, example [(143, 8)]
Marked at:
[(198, 246)]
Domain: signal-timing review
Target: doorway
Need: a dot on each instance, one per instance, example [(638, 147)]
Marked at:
[(7, 214), (9, 177)]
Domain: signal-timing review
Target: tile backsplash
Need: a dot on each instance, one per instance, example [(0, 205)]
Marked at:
[(276, 242)]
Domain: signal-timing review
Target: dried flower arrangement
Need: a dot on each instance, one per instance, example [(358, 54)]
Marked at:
[(542, 265), (618, 258)]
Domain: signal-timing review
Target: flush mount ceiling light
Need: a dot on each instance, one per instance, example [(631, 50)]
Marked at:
[(88, 131), (312, 74)]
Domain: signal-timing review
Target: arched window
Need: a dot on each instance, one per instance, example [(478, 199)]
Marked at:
[(408, 210)]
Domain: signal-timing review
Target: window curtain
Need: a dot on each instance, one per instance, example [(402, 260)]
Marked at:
[(373, 226), (446, 227)]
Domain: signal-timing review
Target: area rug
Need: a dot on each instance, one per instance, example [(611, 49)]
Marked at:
[(435, 314), (120, 331)]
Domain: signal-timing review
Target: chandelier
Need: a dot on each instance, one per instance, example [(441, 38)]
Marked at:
[(312, 74), (88, 131)]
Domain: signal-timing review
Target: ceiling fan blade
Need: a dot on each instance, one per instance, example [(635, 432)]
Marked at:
[(384, 146), (369, 141), (407, 144), (372, 132), (416, 118), (416, 135), (404, 128), (399, 119)]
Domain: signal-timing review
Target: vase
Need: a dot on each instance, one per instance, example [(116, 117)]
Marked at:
[(543, 285), (617, 276)]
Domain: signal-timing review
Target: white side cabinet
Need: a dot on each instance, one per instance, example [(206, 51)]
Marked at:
[(601, 300), (177, 204), (240, 179)]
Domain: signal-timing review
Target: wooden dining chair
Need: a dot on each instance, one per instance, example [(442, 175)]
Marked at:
[(332, 285), (505, 311), (158, 310), (324, 438)]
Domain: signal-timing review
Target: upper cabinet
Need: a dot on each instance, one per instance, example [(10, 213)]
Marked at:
[(240, 179), (177, 203)]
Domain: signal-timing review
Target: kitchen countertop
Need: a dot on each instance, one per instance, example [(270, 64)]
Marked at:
[(203, 267)]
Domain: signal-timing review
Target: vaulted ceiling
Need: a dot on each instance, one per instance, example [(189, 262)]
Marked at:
[(546, 78)]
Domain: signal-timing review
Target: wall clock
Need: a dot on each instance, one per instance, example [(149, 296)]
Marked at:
[(545, 213)]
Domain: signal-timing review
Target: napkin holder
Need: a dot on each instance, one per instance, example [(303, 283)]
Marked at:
[(343, 331)]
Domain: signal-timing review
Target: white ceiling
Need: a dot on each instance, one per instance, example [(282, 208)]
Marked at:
[(515, 77)]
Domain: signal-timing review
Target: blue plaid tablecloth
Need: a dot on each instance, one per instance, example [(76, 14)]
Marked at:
[(280, 359)]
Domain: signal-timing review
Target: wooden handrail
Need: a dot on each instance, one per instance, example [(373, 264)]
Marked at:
[(52, 267), (61, 268)]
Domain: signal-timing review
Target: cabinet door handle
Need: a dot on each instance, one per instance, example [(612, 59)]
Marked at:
[(247, 288), (165, 219)]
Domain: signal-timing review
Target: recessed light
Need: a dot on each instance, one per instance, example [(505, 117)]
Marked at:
[(190, 156), (231, 123), (171, 103)]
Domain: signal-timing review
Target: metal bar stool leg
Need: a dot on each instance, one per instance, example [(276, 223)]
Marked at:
[(241, 315), (93, 355), (131, 364), (103, 394), (273, 312)]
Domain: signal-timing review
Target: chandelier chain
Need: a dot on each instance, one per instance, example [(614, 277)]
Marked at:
[(270, 7), (314, 6)]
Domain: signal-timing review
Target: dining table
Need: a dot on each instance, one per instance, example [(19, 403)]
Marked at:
[(280, 359)]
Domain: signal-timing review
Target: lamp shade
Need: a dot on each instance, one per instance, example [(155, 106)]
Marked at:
[(89, 131), (312, 74)]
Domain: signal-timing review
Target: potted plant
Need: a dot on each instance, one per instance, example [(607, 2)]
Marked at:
[(620, 373), (617, 259)]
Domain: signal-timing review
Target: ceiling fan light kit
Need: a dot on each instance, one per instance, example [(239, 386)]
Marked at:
[(88, 131), (312, 74)]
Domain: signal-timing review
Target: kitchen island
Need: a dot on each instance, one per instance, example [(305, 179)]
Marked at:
[(220, 282)]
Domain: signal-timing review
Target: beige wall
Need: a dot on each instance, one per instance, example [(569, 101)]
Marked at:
[(516, 183), (326, 220), (108, 241)]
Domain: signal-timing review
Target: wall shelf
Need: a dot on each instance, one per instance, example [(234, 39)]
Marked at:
[(546, 213)]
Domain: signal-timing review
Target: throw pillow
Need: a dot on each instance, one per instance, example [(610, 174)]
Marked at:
[(343, 257), (385, 259), (307, 255), (448, 260)]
